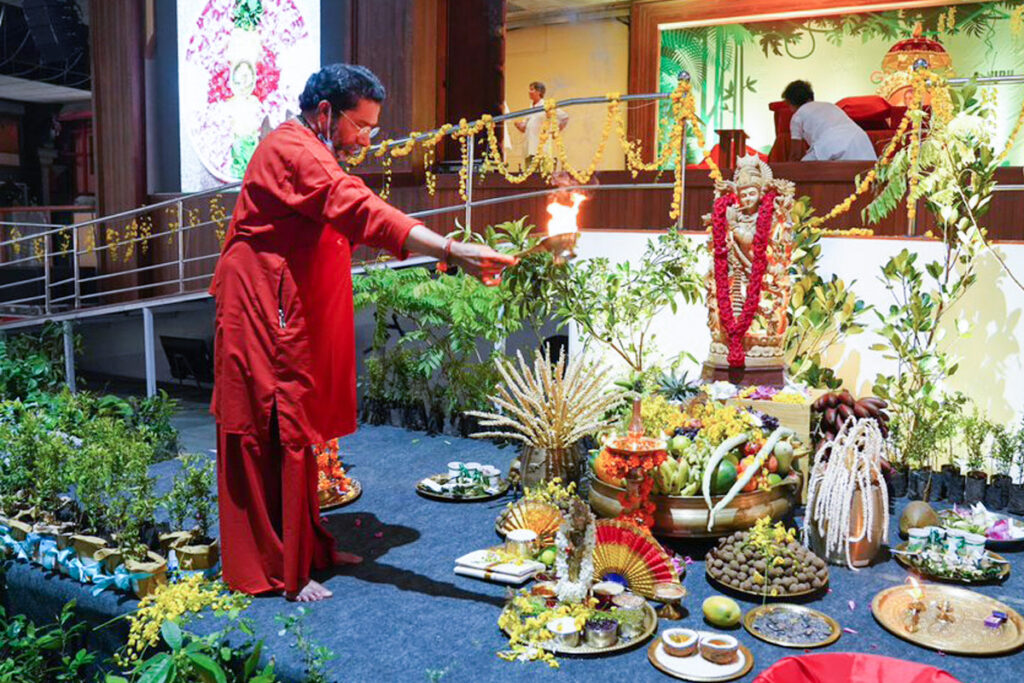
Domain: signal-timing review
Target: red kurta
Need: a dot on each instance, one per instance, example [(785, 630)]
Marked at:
[(285, 339), (284, 325)]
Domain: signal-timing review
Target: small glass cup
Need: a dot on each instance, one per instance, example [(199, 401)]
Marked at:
[(918, 540), (955, 540), (521, 543), (974, 546), (453, 469), (936, 535)]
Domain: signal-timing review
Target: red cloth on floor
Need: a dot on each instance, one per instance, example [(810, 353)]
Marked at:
[(270, 527), (848, 667)]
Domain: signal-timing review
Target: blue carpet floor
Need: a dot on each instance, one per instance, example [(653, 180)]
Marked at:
[(404, 616)]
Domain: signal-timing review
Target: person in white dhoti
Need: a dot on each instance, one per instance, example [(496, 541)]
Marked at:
[(830, 134), (533, 123)]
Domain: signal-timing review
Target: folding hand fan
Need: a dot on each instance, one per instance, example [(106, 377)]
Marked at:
[(624, 552), (542, 518)]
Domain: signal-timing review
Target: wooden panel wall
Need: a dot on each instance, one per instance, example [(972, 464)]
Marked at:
[(118, 95), (474, 74)]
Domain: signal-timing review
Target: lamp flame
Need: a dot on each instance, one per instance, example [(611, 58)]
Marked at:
[(915, 589), (563, 217)]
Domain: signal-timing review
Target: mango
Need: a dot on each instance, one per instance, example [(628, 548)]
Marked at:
[(724, 478), (721, 611), (784, 455)]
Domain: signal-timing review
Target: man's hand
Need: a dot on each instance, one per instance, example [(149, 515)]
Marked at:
[(481, 261)]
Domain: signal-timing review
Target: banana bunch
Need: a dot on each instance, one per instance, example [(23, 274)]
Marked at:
[(838, 406), (676, 477)]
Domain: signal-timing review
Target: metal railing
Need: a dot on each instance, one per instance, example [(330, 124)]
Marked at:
[(70, 271)]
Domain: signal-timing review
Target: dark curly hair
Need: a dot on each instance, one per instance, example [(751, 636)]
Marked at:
[(343, 85), (798, 93)]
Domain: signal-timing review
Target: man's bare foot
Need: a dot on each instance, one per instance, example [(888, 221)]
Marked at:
[(311, 592), (342, 558)]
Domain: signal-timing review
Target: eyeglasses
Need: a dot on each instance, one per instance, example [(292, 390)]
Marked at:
[(369, 132)]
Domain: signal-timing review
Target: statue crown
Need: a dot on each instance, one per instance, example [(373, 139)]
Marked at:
[(751, 171)]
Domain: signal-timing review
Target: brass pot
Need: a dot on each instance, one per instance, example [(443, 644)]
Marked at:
[(687, 516), (541, 465), (862, 552)]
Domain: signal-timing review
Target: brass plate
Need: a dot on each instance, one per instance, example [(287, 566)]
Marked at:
[(1003, 573), (967, 636), (331, 502), (717, 583), (442, 478), (749, 617), (650, 626), (652, 657)]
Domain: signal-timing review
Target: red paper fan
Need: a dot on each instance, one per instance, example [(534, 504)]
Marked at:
[(624, 552)]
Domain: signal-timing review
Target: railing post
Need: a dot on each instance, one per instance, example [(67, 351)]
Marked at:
[(470, 147), (181, 251), (46, 270), (149, 350), (75, 268), (69, 356)]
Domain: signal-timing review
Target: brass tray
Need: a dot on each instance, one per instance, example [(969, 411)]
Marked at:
[(1002, 576), (967, 636), (442, 478), (652, 657), (650, 626), (760, 595), (332, 498), (752, 615)]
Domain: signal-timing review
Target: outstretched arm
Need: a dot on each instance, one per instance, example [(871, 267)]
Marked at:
[(478, 260)]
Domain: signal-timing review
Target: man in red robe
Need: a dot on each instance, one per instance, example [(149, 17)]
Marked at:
[(284, 349)]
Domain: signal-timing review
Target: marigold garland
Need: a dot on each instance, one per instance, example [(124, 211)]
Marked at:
[(636, 509)]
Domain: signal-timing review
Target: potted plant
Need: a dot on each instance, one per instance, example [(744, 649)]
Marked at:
[(975, 431), (1004, 447), (89, 473), (192, 498), (1016, 503)]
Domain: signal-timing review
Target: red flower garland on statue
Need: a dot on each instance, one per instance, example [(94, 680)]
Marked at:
[(736, 329)]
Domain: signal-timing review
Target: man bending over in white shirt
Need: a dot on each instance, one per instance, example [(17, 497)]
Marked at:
[(830, 134)]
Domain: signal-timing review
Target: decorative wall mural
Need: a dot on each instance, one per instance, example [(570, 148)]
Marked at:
[(241, 67), (738, 69)]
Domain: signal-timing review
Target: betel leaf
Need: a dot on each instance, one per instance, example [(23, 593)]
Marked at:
[(171, 633), (159, 669), (207, 665)]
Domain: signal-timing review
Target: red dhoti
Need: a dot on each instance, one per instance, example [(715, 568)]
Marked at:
[(284, 351), (258, 520)]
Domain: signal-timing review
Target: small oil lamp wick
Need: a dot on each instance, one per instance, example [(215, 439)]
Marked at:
[(563, 232), (946, 612), (916, 606)]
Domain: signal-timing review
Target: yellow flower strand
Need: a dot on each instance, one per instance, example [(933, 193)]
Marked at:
[(169, 602)]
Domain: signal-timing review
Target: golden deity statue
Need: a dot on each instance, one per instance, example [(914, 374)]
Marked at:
[(751, 242)]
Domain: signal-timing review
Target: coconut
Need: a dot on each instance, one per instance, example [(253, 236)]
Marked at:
[(917, 515)]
